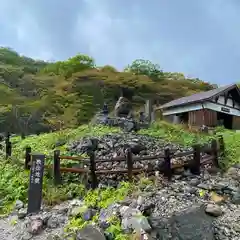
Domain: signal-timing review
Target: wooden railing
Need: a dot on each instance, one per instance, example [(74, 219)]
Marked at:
[(165, 166)]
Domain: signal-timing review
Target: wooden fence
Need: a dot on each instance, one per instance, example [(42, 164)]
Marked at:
[(8, 144), (213, 152)]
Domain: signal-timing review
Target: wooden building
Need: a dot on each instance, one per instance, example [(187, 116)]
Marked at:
[(220, 106)]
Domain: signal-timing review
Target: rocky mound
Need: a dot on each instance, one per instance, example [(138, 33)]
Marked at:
[(190, 208), (113, 145), (110, 146)]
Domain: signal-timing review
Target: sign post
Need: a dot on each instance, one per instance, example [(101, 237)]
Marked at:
[(35, 183)]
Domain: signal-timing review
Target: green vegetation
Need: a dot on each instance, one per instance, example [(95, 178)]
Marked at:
[(37, 96), (232, 146), (103, 199), (14, 180)]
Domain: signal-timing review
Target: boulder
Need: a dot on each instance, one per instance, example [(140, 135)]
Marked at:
[(214, 210), (90, 233), (123, 107), (181, 225)]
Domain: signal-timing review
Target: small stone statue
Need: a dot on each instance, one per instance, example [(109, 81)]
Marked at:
[(105, 110), (1, 137), (141, 117)]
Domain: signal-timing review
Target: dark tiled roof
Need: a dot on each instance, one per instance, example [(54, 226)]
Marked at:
[(198, 97)]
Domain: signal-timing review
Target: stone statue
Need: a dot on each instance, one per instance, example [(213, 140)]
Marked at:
[(141, 117), (105, 110), (123, 107)]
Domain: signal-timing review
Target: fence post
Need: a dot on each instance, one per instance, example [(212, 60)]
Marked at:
[(8, 145), (56, 167), (196, 161), (214, 148), (94, 183), (221, 146), (7, 138), (28, 151), (8, 149), (129, 165), (167, 164)]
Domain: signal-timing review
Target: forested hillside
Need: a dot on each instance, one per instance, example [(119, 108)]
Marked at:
[(38, 96)]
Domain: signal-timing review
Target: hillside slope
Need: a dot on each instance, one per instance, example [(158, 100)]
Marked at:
[(40, 96)]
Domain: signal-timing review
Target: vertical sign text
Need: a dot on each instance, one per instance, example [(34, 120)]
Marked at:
[(35, 184)]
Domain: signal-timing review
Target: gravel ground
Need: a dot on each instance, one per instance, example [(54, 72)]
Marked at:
[(172, 208)]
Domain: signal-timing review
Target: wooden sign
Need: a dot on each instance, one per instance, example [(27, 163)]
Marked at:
[(35, 183), (225, 109)]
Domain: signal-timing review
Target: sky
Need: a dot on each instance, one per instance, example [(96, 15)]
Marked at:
[(199, 38)]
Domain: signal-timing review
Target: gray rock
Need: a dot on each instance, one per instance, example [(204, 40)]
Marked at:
[(189, 224), (194, 182), (90, 233), (136, 223), (25, 236), (133, 219), (35, 226), (126, 202), (234, 173), (236, 198), (62, 208), (214, 210), (127, 212), (204, 186), (122, 107), (53, 221), (140, 201), (136, 147), (22, 213), (19, 204)]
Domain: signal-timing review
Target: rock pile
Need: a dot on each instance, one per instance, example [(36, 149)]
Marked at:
[(190, 208), (123, 117), (113, 145)]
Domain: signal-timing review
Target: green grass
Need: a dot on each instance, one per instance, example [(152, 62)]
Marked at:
[(102, 199), (232, 146), (14, 179), (45, 143), (176, 134)]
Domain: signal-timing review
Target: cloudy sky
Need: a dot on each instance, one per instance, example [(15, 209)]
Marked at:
[(200, 38)]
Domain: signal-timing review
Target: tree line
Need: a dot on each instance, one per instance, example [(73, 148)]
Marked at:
[(38, 96)]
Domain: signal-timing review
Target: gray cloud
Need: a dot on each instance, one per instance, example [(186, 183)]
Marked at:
[(198, 38)]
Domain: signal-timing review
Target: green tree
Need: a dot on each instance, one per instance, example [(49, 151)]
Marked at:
[(74, 64), (108, 68), (145, 67), (36, 96)]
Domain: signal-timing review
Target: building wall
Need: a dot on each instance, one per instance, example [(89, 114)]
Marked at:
[(221, 108), (236, 123), (202, 117), (169, 118), (229, 102)]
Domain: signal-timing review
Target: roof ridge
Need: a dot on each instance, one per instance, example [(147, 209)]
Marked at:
[(202, 96)]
